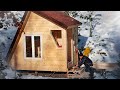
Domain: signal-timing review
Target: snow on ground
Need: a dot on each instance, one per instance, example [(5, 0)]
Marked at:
[(34, 77), (12, 74), (9, 73), (38, 77), (108, 76)]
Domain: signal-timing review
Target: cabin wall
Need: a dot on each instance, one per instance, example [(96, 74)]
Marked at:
[(53, 58)]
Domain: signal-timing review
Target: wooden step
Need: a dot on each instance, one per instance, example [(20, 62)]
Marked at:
[(75, 73)]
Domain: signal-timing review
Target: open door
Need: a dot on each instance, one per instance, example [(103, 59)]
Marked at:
[(71, 45)]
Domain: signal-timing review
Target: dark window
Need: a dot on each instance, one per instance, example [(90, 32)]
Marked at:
[(37, 46), (57, 37), (28, 46)]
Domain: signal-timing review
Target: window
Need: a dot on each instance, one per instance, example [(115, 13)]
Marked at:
[(37, 46), (28, 46), (57, 37), (32, 46)]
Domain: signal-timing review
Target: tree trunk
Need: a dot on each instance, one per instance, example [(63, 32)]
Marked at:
[(90, 32), (90, 29)]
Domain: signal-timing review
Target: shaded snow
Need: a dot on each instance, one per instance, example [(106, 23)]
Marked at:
[(108, 76), (6, 37), (9, 73), (38, 77), (34, 77)]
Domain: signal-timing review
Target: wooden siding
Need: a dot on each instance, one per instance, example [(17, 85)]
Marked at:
[(53, 58)]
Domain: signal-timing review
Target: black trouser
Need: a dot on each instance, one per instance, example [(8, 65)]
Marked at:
[(89, 69)]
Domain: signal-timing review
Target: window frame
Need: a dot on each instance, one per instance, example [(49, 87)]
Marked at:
[(33, 44), (58, 47)]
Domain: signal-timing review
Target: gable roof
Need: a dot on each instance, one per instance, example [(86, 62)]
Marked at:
[(57, 17)]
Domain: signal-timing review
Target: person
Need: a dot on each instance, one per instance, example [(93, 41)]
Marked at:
[(87, 62)]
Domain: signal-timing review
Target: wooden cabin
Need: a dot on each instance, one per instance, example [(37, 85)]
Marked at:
[(45, 41)]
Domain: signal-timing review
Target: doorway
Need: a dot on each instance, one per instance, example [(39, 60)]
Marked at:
[(70, 48)]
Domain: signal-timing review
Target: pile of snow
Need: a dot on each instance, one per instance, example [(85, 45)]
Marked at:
[(6, 38)]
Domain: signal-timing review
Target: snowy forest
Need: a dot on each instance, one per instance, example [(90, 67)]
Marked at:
[(100, 31)]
